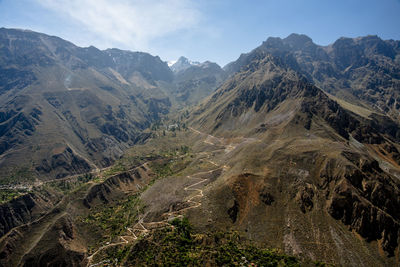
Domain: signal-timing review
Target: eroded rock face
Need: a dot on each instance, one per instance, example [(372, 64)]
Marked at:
[(369, 221), (304, 198), (57, 256), (367, 200), (25, 209), (247, 192), (372, 130), (17, 123), (366, 67), (129, 181), (64, 163)]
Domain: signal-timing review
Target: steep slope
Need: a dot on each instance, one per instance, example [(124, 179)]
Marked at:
[(266, 85), (303, 173), (66, 109), (196, 82), (270, 159), (364, 70)]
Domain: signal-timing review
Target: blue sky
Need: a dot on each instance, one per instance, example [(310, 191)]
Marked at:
[(216, 30)]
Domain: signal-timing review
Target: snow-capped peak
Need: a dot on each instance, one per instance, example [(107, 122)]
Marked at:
[(181, 64), (171, 62)]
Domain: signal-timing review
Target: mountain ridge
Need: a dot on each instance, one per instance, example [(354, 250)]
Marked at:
[(270, 103), (343, 68), (51, 82), (274, 148)]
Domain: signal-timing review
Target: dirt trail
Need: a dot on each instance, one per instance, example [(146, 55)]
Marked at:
[(140, 229), (40, 226), (133, 236)]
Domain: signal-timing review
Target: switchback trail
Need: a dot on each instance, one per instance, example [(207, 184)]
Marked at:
[(141, 228)]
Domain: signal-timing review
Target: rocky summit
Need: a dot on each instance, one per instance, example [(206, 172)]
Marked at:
[(288, 156)]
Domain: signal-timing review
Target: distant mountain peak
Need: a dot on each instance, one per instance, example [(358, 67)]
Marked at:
[(293, 41), (171, 62), (297, 40), (182, 63)]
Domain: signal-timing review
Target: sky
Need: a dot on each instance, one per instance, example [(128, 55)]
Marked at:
[(215, 30)]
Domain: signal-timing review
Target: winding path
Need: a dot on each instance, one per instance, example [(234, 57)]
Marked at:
[(140, 229)]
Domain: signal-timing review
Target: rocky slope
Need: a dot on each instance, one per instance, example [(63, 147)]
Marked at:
[(63, 233), (25, 209), (67, 110), (331, 170), (282, 155), (364, 70)]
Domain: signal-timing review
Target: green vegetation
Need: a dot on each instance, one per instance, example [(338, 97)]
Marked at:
[(179, 246), (20, 174), (162, 168), (231, 254), (173, 161), (112, 219), (185, 149), (168, 127), (168, 167), (7, 195), (118, 167), (85, 178), (68, 185)]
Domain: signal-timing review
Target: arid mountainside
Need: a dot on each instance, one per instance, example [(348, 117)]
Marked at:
[(300, 160), (288, 156), (67, 110), (365, 70)]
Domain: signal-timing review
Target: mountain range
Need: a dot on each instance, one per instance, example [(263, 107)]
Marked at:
[(66, 110), (293, 146)]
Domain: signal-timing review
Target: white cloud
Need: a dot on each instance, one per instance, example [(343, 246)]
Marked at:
[(130, 23)]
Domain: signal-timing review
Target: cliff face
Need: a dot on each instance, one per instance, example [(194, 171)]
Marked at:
[(365, 198)]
